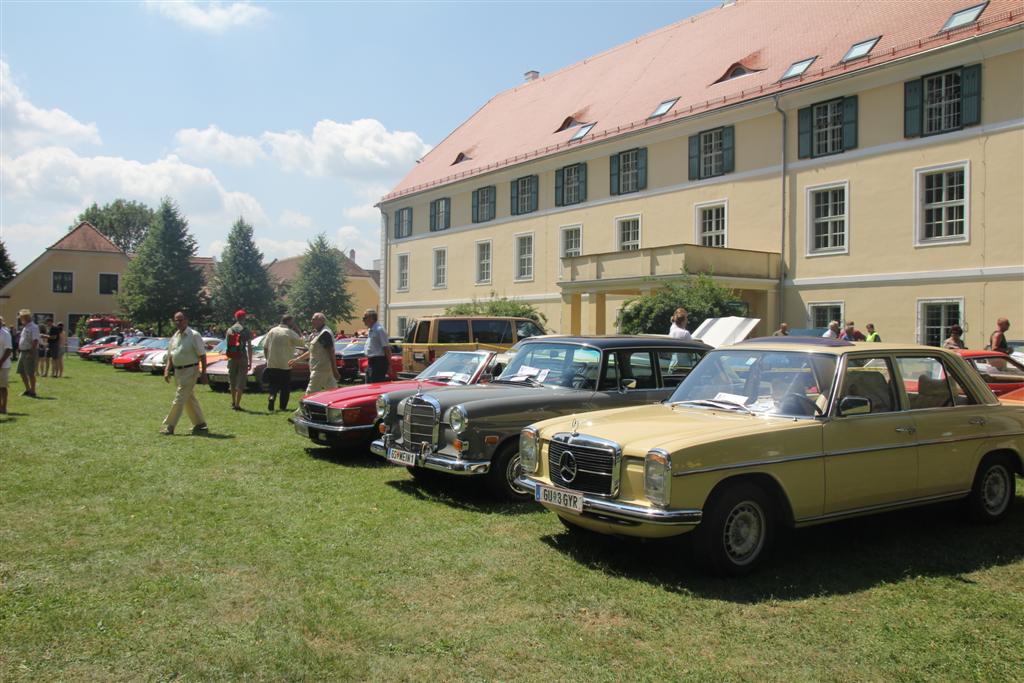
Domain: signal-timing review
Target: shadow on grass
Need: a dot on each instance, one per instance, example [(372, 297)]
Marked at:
[(461, 493), (832, 559), (211, 435), (348, 457)]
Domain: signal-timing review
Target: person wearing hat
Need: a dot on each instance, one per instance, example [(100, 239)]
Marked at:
[(239, 353), (28, 352)]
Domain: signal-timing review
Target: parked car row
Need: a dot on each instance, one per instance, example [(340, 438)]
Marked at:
[(654, 437)]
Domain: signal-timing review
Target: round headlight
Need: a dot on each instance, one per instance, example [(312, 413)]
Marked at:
[(457, 419), (529, 449), (382, 406)]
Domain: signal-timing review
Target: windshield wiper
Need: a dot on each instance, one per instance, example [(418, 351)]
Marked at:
[(719, 403)]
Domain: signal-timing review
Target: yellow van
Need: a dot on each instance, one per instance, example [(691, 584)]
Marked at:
[(431, 337)]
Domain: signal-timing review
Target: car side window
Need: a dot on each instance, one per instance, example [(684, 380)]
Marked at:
[(525, 328), (489, 331), (927, 382), (610, 374), (675, 366), (423, 332), (870, 378), (637, 365), (452, 331)]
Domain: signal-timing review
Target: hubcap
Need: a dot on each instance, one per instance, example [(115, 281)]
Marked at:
[(743, 534), (513, 471), (995, 490)]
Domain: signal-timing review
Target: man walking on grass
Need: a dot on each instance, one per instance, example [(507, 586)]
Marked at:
[(279, 347), (28, 352), (239, 353), (186, 353)]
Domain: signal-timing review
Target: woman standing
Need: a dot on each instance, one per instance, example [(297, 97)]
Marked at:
[(954, 341), (57, 349), (44, 348)]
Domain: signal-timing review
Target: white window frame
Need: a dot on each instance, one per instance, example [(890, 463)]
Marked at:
[(834, 133), (525, 183), (809, 191), (561, 244), (633, 173), (575, 198), (400, 222), (698, 209), (516, 277), (439, 283), (943, 105), (663, 108), (493, 204), (712, 162), (402, 322), (812, 304), (798, 68), (860, 49), (99, 276), (479, 262), (398, 271), (922, 302), (639, 231), (919, 174), (74, 278)]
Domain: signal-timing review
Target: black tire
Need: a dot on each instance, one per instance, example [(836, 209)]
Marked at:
[(428, 478), (738, 530), (504, 469), (994, 489)]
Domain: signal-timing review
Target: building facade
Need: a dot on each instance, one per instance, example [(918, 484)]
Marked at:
[(870, 172)]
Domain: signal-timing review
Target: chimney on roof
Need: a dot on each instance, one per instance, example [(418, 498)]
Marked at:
[(531, 75), (352, 254)]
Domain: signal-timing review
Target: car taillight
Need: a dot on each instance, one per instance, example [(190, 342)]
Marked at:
[(363, 362), (432, 356)]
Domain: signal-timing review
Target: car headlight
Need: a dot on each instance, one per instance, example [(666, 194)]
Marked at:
[(457, 419), (658, 477), (345, 416), (529, 450), (383, 404)]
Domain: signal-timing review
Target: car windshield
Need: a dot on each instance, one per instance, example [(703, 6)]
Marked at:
[(1006, 367), (555, 365), (787, 383), (454, 367), (355, 347), (221, 347)]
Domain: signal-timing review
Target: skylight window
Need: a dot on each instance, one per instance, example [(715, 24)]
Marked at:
[(584, 129), (797, 68), (965, 17), (663, 108), (860, 49)]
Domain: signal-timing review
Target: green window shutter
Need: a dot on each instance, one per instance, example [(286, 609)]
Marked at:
[(695, 157), (559, 181), (849, 123), (728, 149), (912, 110), (581, 176), (641, 168), (447, 212), (803, 136), (398, 223), (970, 94), (493, 211), (515, 197), (476, 206), (613, 174), (433, 215), (534, 196)]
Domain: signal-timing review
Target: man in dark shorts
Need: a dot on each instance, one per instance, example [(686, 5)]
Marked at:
[(239, 352), (28, 352)]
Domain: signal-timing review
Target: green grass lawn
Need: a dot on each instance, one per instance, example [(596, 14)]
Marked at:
[(252, 554)]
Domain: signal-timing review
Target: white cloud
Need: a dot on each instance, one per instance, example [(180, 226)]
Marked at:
[(364, 150), (213, 17), (273, 249), (362, 212), (365, 242), (213, 144), (293, 220), (24, 126)]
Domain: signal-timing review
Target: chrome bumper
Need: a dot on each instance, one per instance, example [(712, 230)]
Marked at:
[(378, 448), (302, 423), (594, 506), (437, 461)]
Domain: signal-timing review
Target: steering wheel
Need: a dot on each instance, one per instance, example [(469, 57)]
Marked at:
[(804, 402)]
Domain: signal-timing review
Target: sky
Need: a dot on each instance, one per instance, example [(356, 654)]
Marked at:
[(297, 116)]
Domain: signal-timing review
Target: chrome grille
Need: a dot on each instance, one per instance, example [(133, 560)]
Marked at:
[(595, 467), (419, 421), (315, 412)]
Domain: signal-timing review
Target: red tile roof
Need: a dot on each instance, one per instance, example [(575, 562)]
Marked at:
[(84, 237), (285, 270), (618, 89)]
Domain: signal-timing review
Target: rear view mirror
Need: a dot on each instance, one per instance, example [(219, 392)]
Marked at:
[(854, 405), (627, 385)]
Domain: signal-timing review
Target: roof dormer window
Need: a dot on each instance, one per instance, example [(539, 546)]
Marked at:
[(748, 65), (861, 49), (964, 17), (798, 68), (582, 132), (460, 158), (567, 124), (663, 108)]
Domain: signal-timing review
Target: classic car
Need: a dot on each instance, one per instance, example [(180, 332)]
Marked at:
[(130, 359), (1001, 372), (107, 354), (98, 345), (353, 361), (429, 338), (1012, 397), (348, 415), (156, 361), (475, 430), (774, 432), (218, 371)]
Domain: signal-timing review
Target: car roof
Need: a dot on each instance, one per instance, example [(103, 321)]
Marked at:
[(830, 346), (975, 353), (620, 341)]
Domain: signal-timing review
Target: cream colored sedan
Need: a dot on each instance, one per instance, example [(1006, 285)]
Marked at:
[(769, 433)]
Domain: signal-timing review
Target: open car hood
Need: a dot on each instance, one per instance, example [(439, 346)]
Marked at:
[(718, 332)]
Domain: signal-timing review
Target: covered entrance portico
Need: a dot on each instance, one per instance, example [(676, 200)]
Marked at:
[(594, 286)]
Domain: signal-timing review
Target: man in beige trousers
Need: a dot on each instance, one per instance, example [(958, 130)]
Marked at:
[(186, 353)]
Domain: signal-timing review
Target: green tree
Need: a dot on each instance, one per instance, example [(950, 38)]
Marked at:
[(161, 278), (699, 294), (7, 267), (499, 306), (124, 222), (241, 280), (320, 284)]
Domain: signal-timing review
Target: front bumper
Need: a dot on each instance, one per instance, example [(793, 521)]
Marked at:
[(606, 509), (437, 461), (319, 432)]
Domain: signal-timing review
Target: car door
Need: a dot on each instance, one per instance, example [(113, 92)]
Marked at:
[(870, 458), (624, 366), (949, 423)]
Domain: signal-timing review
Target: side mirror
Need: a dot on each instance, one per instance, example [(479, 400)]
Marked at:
[(854, 405), (627, 385)]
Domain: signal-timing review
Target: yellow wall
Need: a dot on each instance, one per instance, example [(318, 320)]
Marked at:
[(365, 294)]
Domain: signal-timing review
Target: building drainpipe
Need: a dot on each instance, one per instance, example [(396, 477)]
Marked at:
[(782, 225), (385, 271)]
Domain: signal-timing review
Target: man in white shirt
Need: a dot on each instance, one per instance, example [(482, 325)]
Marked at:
[(833, 330), (186, 353), (28, 352), (6, 348), (677, 330), (378, 351)]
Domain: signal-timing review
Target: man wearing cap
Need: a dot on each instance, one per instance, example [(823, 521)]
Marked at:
[(239, 352), (28, 352), (186, 353)]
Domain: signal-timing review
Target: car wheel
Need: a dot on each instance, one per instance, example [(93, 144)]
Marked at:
[(505, 467), (994, 489), (737, 531)]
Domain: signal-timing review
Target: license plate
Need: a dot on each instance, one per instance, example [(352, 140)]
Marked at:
[(400, 457), (569, 500), (301, 429)]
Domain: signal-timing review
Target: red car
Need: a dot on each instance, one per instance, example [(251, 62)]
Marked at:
[(352, 359), (99, 344), (348, 415), (130, 359), (1002, 373)]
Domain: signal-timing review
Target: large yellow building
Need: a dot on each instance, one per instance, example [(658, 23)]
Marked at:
[(830, 161)]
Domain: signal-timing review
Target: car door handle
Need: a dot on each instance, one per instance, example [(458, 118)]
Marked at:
[(978, 421), (906, 430)]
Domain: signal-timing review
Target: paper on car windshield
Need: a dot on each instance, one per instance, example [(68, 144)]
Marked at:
[(445, 374), (542, 375), (525, 371), (731, 398), (459, 376)]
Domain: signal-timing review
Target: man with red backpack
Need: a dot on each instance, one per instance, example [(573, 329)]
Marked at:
[(239, 353)]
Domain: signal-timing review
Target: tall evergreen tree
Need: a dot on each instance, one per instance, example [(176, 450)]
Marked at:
[(241, 280), (161, 279), (124, 222), (320, 284), (7, 267)]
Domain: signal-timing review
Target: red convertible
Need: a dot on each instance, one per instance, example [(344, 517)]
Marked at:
[(1002, 373), (130, 358), (348, 415), (99, 344)]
